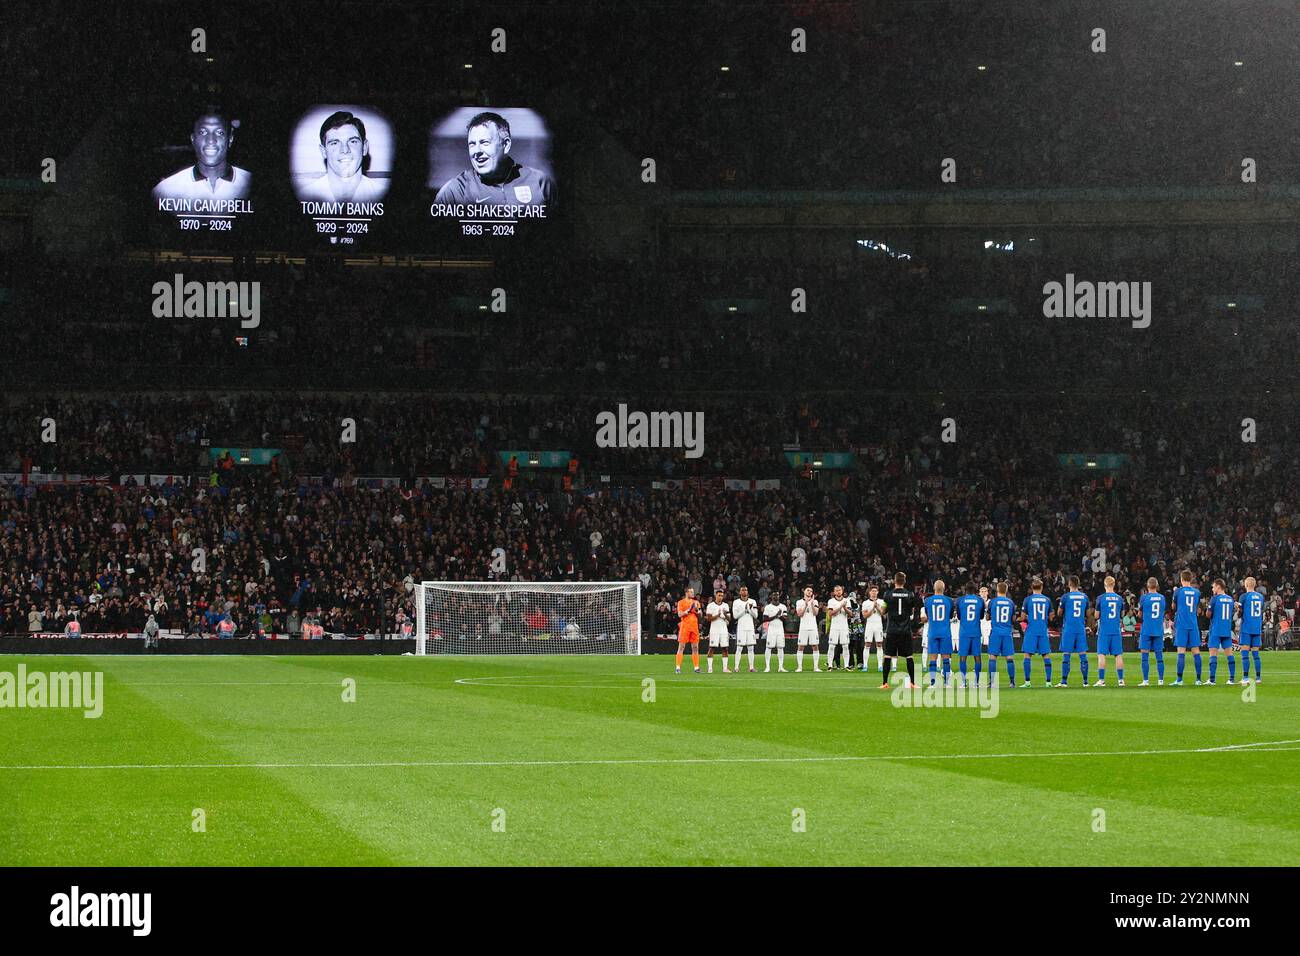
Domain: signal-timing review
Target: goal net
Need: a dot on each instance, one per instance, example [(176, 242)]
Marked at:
[(514, 617)]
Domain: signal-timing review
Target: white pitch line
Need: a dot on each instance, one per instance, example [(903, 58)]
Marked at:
[(1267, 746), (230, 683)]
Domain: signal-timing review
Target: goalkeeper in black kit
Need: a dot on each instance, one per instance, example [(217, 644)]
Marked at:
[(902, 618)]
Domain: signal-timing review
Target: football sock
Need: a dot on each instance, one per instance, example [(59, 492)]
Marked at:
[(947, 669), (1047, 666), (1214, 666), (1065, 669), (1083, 666), (798, 657), (1160, 664), (1146, 665), (885, 669), (934, 665), (1232, 666), (1182, 664), (911, 671), (1196, 659), (1011, 670), (1028, 664), (1258, 673)]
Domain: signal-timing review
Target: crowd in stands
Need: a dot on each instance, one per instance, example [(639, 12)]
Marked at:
[(994, 504)]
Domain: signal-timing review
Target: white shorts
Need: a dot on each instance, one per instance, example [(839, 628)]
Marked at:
[(808, 637), (719, 640), (775, 636), (838, 637), (745, 637), (873, 635)]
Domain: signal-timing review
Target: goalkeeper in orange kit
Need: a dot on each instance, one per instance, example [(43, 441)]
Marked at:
[(688, 629)]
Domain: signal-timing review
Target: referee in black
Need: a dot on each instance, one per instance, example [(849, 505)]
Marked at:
[(902, 618)]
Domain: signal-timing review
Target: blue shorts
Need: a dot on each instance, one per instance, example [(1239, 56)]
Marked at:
[(1187, 637), (1074, 642), (1250, 640), (1110, 644), (1151, 642), (1000, 645), (1040, 644), (970, 646), (938, 644), (1221, 643)]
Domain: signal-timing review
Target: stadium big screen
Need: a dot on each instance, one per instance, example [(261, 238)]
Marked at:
[(344, 177)]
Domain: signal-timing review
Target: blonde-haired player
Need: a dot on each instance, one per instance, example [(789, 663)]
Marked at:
[(806, 611), (744, 611), (1110, 634), (716, 614), (773, 612)]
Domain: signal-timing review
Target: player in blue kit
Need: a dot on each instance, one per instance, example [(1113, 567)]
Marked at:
[(938, 641), (1252, 629), (1074, 633), (1222, 610), (1187, 629), (970, 636), (1110, 637), (1002, 612), (1152, 635), (1037, 609)]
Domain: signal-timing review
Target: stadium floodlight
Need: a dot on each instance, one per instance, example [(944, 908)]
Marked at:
[(534, 617)]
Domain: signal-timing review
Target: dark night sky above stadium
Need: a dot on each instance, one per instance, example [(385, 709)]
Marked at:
[(881, 81)]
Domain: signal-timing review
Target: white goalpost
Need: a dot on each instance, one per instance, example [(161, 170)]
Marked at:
[(528, 617)]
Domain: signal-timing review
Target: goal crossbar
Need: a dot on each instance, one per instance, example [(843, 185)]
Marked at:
[(528, 617)]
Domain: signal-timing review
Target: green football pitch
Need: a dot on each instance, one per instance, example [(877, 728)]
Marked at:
[(568, 760)]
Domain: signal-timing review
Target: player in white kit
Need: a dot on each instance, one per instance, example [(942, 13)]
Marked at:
[(774, 612), (873, 627), (838, 632), (744, 611), (806, 611), (716, 614)]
